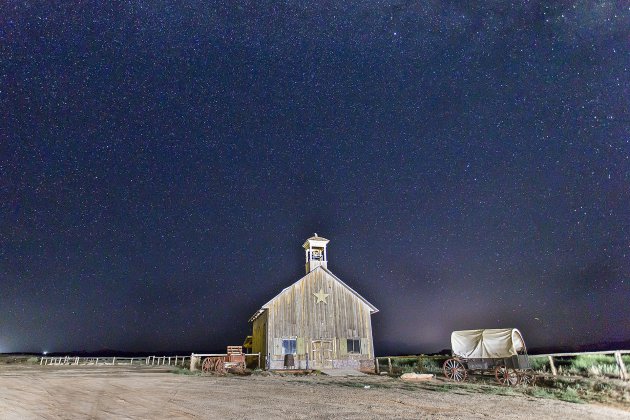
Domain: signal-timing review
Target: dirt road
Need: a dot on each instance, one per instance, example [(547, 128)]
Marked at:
[(69, 392)]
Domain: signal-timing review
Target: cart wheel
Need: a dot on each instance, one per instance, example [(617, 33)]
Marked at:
[(527, 377), (455, 370), (219, 367), (505, 376), (208, 365)]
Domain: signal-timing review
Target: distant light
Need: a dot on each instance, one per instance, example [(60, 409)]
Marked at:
[(45, 353)]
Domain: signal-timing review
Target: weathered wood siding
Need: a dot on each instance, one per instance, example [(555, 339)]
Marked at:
[(295, 313)]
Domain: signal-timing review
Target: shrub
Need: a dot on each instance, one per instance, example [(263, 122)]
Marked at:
[(594, 365), (539, 392), (183, 371), (428, 365), (408, 369), (404, 361), (569, 394), (540, 364)]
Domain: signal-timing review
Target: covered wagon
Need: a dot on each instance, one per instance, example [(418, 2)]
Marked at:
[(500, 351)]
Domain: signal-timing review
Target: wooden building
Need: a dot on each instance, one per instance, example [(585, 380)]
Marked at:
[(319, 321)]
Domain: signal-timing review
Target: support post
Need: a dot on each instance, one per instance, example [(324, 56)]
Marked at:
[(193, 362), (554, 372), (258, 360), (376, 366), (389, 364), (623, 373), (114, 361)]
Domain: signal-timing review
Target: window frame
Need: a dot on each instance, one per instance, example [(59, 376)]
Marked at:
[(353, 345), (289, 340)]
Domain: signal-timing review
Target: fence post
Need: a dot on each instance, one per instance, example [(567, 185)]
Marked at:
[(389, 363), (623, 373), (377, 368), (193, 362), (554, 372), (114, 362)]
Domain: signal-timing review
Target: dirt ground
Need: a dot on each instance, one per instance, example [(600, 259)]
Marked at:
[(69, 392)]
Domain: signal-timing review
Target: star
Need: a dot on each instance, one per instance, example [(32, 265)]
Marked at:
[(321, 296)]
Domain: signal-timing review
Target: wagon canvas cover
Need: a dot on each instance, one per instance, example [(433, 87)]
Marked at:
[(491, 343)]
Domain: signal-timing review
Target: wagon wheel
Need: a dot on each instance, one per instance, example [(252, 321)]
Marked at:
[(505, 376), (455, 370), (219, 365), (527, 377), (208, 365)]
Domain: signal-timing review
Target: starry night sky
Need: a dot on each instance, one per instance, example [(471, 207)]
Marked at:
[(162, 163)]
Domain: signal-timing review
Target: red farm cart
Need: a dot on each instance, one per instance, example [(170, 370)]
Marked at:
[(222, 362)]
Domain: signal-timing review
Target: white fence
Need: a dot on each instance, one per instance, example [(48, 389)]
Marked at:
[(112, 361)]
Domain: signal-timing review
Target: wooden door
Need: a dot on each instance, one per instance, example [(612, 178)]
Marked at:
[(322, 353)]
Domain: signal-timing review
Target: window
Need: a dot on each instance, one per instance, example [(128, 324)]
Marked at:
[(354, 345), (288, 346)]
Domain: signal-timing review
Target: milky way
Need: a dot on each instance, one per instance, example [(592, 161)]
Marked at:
[(161, 165)]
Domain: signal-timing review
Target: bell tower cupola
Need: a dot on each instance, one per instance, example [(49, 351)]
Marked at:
[(315, 248)]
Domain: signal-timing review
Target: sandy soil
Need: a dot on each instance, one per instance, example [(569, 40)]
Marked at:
[(68, 392)]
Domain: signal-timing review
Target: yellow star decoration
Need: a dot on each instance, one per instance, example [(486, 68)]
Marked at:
[(321, 296)]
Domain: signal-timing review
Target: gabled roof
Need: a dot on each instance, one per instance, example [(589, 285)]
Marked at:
[(373, 308)]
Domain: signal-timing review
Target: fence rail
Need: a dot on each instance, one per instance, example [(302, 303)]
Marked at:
[(111, 361), (623, 372)]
